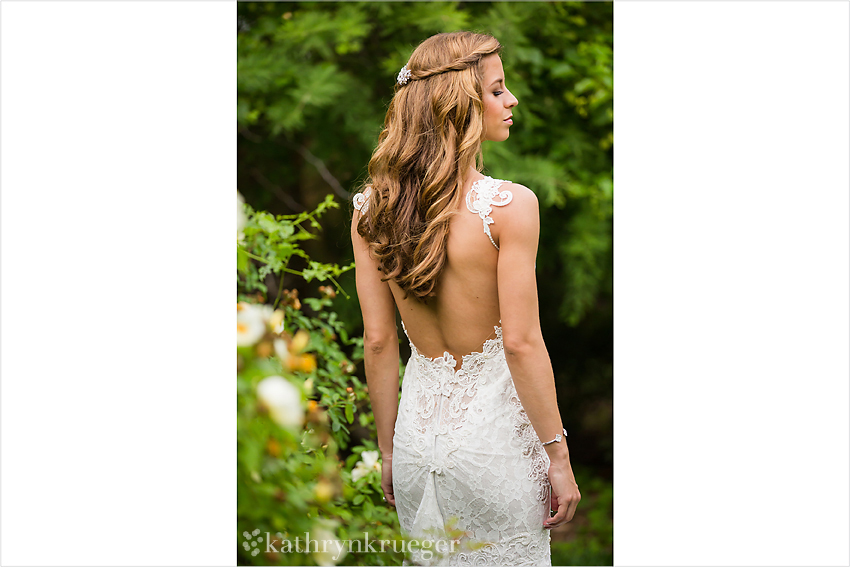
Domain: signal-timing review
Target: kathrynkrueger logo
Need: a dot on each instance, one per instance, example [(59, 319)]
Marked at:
[(328, 547)]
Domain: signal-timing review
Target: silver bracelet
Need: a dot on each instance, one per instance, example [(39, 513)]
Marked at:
[(557, 438)]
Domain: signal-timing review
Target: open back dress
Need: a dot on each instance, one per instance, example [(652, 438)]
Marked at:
[(465, 456)]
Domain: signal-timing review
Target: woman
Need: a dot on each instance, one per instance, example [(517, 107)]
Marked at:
[(476, 440)]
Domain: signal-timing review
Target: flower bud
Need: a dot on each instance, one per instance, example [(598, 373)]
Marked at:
[(299, 341)]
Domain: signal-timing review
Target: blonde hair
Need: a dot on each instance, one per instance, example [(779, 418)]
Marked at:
[(431, 137)]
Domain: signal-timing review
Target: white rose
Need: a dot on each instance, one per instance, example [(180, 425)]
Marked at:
[(266, 309), (368, 463), (359, 472), (370, 460), (335, 549), (250, 324), (241, 218), (283, 401)]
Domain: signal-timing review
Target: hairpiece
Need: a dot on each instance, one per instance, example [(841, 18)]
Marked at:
[(403, 76)]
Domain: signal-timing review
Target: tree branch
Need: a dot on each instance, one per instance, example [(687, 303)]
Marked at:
[(280, 193), (323, 170)]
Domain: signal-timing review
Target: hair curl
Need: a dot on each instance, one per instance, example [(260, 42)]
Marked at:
[(431, 137)]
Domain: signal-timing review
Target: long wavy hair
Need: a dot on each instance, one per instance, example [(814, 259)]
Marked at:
[(431, 137)]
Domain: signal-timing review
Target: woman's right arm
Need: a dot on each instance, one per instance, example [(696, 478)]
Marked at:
[(525, 350)]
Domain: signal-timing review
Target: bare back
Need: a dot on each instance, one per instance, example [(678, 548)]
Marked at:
[(465, 310)]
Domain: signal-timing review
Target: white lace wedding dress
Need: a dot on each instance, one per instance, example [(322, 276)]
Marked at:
[(464, 451)]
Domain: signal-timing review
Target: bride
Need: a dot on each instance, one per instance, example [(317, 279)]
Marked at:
[(475, 440)]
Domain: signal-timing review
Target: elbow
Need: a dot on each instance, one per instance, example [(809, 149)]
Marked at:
[(378, 342), (520, 347)]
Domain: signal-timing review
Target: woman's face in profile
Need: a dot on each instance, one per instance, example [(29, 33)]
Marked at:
[(498, 101)]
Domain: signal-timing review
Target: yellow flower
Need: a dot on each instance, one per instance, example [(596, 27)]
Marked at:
[(308, 362), (276, 321), (273, 447), (304, 362), (323, 491), (299, 341)]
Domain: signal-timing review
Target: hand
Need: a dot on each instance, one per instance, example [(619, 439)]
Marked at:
[(387, 478), (565, 496)]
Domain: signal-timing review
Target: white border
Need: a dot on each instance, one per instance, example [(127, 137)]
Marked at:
[(731, 283), (731, 266), (118, 174)]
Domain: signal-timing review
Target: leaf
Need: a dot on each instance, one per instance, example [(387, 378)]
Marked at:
[(583, 85), (242, 260)]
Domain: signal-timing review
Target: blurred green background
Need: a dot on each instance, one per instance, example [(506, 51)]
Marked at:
[(314, 82)]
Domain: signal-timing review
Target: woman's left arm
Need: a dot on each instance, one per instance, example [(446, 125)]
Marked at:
[(380, 340)]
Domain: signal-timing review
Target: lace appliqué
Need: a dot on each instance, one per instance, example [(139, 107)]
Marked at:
[(360, 202), (445, 392), (481, 198), (532, 449)]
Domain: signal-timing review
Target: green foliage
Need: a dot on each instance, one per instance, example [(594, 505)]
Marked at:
[(593, 540), (317, 76), (274, 241), (293, 475)]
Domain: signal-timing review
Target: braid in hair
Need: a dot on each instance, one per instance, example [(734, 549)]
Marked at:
[(456, 65)]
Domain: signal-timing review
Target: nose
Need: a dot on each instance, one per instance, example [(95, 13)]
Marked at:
[(513, 100)]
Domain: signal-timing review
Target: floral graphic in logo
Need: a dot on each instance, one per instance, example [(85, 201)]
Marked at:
[(252, 543)]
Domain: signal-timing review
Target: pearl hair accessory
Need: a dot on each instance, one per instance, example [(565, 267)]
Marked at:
[(403, 76)]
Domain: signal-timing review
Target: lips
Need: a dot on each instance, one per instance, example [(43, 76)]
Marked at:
[(508, 120)]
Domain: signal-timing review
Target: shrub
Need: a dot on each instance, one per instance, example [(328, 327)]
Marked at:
[(297, 396)]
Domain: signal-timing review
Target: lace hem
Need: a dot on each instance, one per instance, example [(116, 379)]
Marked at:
[(522, 550)]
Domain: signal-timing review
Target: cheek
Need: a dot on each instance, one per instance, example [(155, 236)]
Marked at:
[(491, 110)]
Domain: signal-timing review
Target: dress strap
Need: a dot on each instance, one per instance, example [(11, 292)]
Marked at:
[(360, 202), (483, 196)]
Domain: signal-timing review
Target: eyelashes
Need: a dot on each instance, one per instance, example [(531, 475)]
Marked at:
[(497, 93)]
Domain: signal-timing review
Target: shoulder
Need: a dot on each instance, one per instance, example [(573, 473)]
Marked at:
[(519, 222), (520, 194), (524, 206), (361, 205)]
